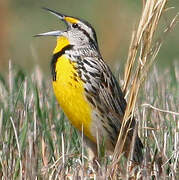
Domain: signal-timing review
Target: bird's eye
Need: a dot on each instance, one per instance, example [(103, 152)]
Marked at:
[(74, 25)]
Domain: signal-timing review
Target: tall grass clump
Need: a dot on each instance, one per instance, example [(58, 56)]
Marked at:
[(34, 135), (142, 53)]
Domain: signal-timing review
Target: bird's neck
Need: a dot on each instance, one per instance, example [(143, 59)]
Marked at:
[(88, 50), (84, 51)]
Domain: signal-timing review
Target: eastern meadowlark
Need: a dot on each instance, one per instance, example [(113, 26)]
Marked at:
[(85, 87)]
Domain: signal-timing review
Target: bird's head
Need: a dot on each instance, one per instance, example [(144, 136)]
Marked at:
[(78, 33)]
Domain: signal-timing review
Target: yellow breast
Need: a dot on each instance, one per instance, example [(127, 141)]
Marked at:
[(69, 91)]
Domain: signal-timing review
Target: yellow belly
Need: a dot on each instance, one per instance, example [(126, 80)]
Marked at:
[(69, 92)]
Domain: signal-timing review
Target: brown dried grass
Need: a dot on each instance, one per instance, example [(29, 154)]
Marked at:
[(141, 55)]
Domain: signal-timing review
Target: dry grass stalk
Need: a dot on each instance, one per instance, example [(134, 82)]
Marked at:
[(142, 44), (161, 110)]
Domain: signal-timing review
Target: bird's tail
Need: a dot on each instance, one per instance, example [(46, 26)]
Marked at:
[(137, 153)]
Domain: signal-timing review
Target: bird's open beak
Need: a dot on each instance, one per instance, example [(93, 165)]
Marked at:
[(54, 33)]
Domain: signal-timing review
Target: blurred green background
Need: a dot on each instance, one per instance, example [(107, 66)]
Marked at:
[(113, 20)]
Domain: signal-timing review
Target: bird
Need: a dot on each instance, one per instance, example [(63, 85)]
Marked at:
[(85, 87)]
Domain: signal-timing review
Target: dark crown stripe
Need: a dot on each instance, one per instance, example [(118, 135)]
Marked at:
[(55, 58)]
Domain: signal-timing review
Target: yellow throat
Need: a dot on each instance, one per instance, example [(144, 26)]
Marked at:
[(69, 91)]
